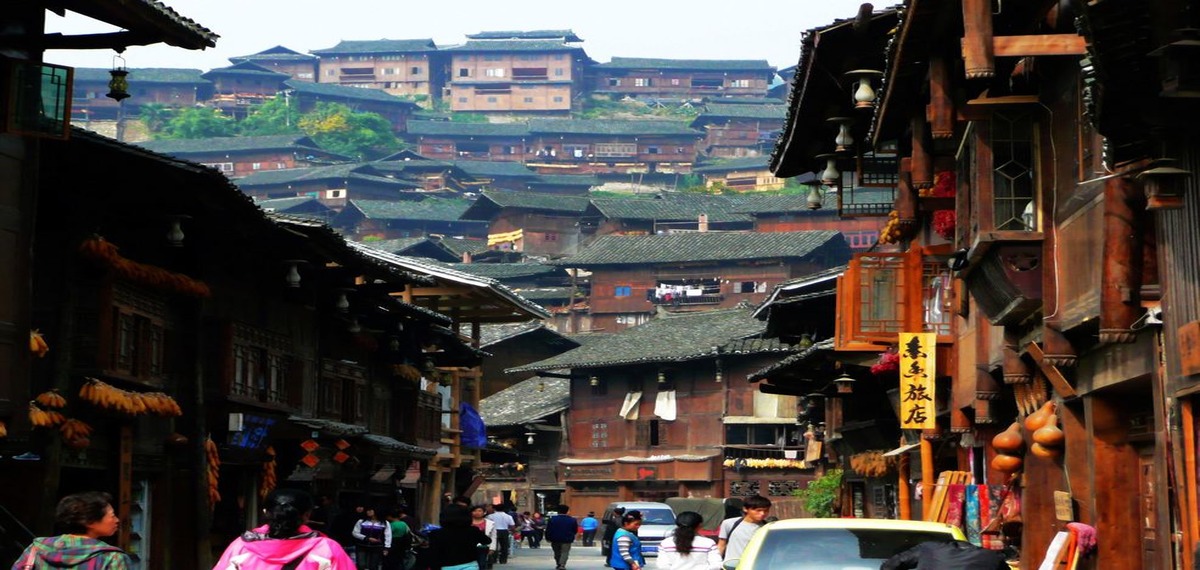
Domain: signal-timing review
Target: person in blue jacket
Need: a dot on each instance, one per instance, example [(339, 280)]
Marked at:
[(589, 524), (626, 546), (561, 531)]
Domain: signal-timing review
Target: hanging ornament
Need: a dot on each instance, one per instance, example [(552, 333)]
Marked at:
[(118, 86)]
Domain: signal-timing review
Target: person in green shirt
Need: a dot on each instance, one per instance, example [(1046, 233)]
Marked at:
[(400, 556)]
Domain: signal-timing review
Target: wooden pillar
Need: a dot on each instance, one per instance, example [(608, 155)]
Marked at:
[(922, 154), (124, 484), (977, 46), (903, 496), (928, 478), (940, 111), (1121, 270), (906, 198), (1115, 486), (1190, 521)]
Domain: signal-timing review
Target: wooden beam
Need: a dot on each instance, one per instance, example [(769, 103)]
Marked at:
[(113, 40), (1052, 373), (1048, 44), (977, 39)]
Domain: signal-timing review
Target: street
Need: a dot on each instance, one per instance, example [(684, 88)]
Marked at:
[(525, 558)]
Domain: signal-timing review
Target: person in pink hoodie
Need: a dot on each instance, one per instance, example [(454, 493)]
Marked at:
[(286, 542)]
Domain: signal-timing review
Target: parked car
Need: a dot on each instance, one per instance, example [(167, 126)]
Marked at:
[(836, 544), (712, 509), (658, 521)]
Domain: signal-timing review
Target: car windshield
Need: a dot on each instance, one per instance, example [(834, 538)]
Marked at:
[(657, 516), (835, 548)]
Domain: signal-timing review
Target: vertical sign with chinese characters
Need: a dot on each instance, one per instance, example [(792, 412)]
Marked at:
[(918, 367)]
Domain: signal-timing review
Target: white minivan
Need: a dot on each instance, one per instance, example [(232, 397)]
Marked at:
[(658, 522)]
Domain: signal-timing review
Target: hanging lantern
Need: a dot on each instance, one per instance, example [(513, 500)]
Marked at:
[(864, 93), (118, 86), (662, 377), (175, 234), (831, 175), (844, 140), (593, 381), (814, 196), (845, 384), (292, 279)]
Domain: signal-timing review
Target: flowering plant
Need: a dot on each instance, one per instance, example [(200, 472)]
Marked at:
[(944, 187), (889, 363)]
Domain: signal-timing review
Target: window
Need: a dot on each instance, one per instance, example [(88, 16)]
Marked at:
[(739, 83), (462, 99), (600, 433), (221, 166), (330, 72), (494, 72), (464, 72), (652, 433), (616, 149), (879, 296), (491, 99), (256, 166), (559, 72), (773, 435), (622, 291), (550, 236), (390, 71), (558, 99), (641, 82), (529, 99), (651, 150), (752, 287), (675, 81), (1012, 171), (334, 194), (414, 71), (614, 82)]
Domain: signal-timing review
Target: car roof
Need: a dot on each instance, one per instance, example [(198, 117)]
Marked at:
[(879, 524), (628, 504)]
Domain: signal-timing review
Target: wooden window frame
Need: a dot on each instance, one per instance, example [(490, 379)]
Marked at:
[(911, 272)]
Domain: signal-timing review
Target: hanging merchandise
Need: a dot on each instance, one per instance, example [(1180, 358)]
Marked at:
[(474, 433), (268, 474), (37, 344), (214, 471)]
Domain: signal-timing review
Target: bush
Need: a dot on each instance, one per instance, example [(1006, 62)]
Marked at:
[(821, 497)]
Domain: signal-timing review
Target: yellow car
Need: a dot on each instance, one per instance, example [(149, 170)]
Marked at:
[(836, 544)]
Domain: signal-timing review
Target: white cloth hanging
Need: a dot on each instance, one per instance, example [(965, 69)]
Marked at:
[(629, 408), (664, 405)]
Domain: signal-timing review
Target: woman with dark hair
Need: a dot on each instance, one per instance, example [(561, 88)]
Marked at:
[(83, 519), (286, 542), (685, 550), (373, 538), (456, 545), (626, 546)]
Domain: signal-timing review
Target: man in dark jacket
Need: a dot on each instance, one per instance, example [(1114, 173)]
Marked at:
[(561, 531), (940, 555)]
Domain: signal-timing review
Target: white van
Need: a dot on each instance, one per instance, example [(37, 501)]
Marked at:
[(658, 522)]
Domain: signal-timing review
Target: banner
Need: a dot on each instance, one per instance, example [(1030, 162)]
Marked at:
[(505, 237), (918, 368)]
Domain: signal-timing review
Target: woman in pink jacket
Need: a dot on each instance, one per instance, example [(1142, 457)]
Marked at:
[(286, 542)]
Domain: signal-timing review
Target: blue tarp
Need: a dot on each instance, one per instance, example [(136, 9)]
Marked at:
[(474, 433)]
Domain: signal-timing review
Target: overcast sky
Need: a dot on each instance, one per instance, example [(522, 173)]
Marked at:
[(704, 29)]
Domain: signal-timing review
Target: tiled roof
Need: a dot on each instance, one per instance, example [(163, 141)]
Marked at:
[(505, 271), (282, 205), (610, 127), (247, 69), (393, 444), (494, 168), (464, 245), (568, 35), (277, 53), (677, 337), (348, 93), (227, 144), (525, 401), (731, 164), (468, 129), (793, 360), (377, 46), (702, 246), (689, 64), (536, 201), (434, 209), (356, 171), (672, 207), (798, 203), (587, 180), (512, 45), (143, 75), (737, 111), (542, 294), (396, 246), (149, 19)]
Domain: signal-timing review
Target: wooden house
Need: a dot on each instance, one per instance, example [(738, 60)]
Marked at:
[(437, 248), (534, 72), (410, 68), (332, 185), (681, 79), (664, 213), (237, 157), (303, 207), (739, 129), (549, 223), (492, 142), (239, 86), (517, 344), (746, 174), (298, 66), (794, 213), (633, 276), (176, 88), (396, 110), (657, 410), (525, 422), (390, 219), (562, 146)]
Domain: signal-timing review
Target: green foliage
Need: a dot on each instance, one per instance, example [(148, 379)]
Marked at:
[(468, 118), (335, 127), (822, 494), (198, 123), (279, 116), (606, 108), (154, 116)]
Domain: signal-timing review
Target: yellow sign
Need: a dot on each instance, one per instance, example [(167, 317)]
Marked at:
[(918, 368), (506, 237)]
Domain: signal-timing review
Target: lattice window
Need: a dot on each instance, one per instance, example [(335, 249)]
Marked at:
[(783, 488), (600, 434), (1013, 169), (743, 488)]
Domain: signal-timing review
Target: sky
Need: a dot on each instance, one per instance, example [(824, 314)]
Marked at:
[(704, 29)]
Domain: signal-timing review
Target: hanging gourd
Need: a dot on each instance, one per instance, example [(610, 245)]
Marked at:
[(1009, 441)]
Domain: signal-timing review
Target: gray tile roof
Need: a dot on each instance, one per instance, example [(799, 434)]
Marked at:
[(677, 337), (675, 206), (349, 171), (493, 333), (348, 47), (512, 45), (689, 64), (568, 35), (539, 201), (610, 127), (282, 205), (247, 69), (434, 209), (494, 168), (586, 180), (464, 245), (542, 294), (277, 53), (148, 19), (702, 246), (731, 164), (737, 111), (176, 147), (505, 271), (144, 75), (793, 360), (330, 90), (522, 402), (437, 128)]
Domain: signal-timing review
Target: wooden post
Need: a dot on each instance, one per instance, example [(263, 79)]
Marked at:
[(922, 155), (1121, 270), (928, 479), (903, 496), (1189, 460), (940, 111), (125, 485), (977, 39), (906, 200)]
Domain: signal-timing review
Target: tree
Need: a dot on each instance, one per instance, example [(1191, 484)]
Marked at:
[(279, 116), (821, 497), (337, 128), (199, 123), (154, 116)]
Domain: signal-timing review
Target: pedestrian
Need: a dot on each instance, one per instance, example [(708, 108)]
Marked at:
[(686, 550), (560, 531), (343, 525), (518, 528), (626, 546), (589, 524), (374, 539), (538, 523), (323, 515), (526, 524), (456, 545), (735, 533), (480, 521), (399, 554), (611, 525), (504, 527), (83, 519), (957, 554), (286, 540)]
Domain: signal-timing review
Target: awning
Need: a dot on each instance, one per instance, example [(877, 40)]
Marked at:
[(902, 449), (383, 474)]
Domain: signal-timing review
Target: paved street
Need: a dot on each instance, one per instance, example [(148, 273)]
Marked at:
[(543, 559)]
